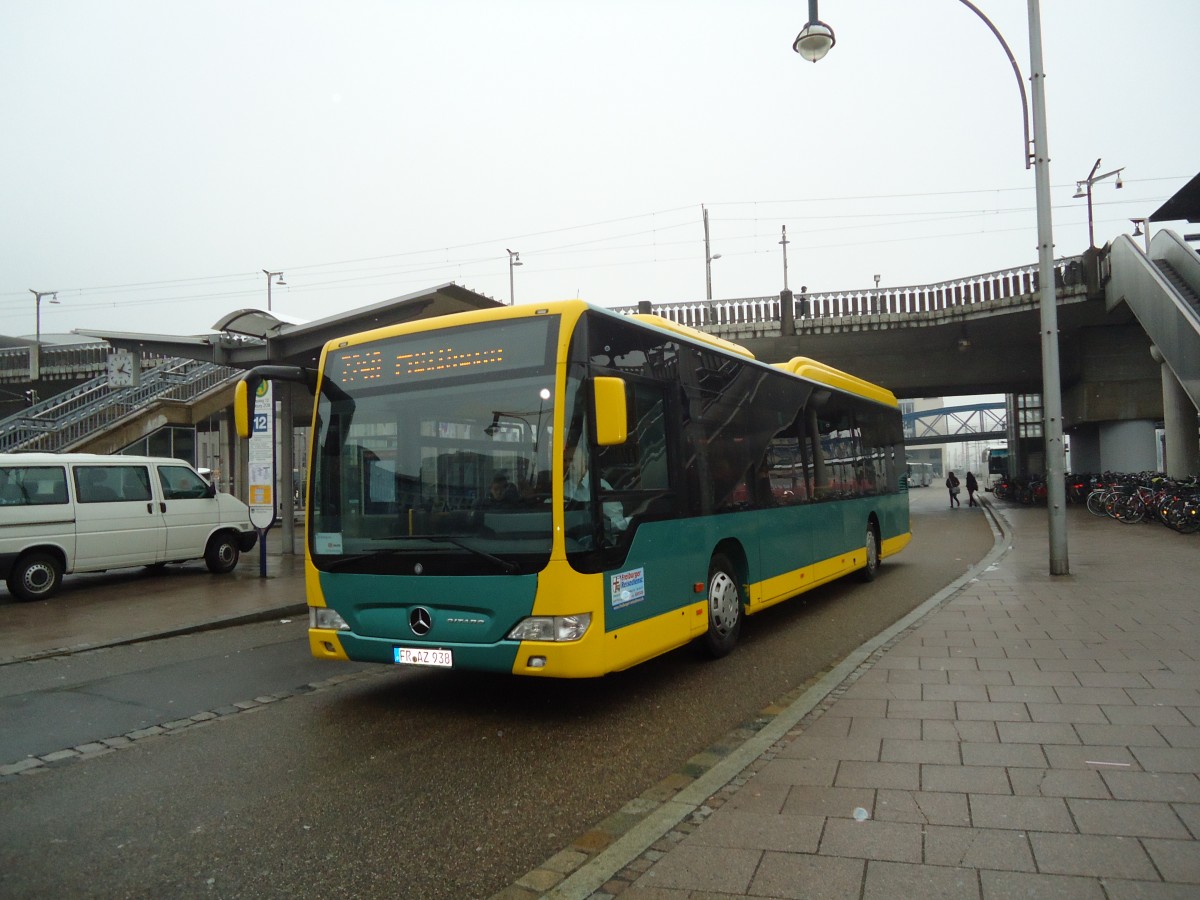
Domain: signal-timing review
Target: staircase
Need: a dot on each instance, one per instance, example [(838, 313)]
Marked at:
[(69, 420)]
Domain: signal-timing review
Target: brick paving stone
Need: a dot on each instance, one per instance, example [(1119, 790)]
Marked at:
[(1036, 733), (859, 774), (805, 747), (924, 807), (1007, 755), (1167, 759), (1072, 713), (1114, 679), (1177, 734), (1147, 890), (992, 712), (917, 676), (1020, 812), (920, 709), (1022, 693), (979, 676), (889, 880), (1189, 813), (1096, 856), (810, 877), (1063, 756), (885, 690), (695, 867), (850, 708), (876, 729), (1164, 697), (908, 751), (965, 779), (1173, 788), (1008, 885), (976, 692), (1120, 735), (1058, 783), (805, 800), (1037, 677), (749, 831), (765, 798), (978, 848), (896, 841), (1128, 817), (1178, 861), (798, 771), (965, 732)]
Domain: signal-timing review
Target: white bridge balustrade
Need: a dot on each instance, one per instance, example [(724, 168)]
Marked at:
[(757, 316)]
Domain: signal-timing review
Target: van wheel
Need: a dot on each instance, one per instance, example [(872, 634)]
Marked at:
[(36, 576), (871, 569), (222, 553), (724, 607)]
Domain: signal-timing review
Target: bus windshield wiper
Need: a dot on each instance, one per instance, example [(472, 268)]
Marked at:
[(507, 566)]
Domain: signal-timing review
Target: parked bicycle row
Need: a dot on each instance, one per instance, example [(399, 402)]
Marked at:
[(1148, 497), (1126, 497)]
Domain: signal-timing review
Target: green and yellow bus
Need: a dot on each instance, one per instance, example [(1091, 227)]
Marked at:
[(564, 491)]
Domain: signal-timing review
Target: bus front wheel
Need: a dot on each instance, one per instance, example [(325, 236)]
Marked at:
[(871, 569), (724, 607)]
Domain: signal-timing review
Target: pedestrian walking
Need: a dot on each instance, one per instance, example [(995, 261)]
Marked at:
[(972, 487), (952, 484)]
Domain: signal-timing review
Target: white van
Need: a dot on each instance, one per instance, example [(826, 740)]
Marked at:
[(83, 512)]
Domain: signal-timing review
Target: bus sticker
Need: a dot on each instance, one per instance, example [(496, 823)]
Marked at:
[(628, 588)]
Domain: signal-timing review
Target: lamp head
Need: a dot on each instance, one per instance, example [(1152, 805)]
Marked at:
[(814, 41), (1137, 227)]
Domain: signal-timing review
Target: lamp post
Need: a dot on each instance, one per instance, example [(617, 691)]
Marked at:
[(271, 275), (1084, 189), (709, 256), (514, 260), (813, 42), (35, 353)]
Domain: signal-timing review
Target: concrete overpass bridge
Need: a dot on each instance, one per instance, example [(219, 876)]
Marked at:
[(1129, 337)]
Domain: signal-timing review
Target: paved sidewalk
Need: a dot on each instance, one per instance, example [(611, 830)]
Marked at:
[(1021, 735)]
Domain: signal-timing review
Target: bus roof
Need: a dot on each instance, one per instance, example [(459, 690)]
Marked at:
[(836, 378)]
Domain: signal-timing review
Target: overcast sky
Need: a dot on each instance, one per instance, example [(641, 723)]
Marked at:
[(157, 156)]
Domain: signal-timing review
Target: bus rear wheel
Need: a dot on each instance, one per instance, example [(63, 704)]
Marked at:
[(724, 607)]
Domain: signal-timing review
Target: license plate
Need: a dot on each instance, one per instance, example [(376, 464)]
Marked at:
[(413, 656)]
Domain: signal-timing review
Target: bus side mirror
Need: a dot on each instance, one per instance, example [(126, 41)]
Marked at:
[(612, 418), (244, 394)]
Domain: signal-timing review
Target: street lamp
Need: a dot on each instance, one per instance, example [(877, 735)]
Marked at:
[(1084, 189), (35, 353), (514, 260), (271, 275), (816, 38), (1051, 375), (1141, 227), (709, 256)]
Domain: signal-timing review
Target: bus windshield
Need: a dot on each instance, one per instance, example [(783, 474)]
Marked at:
[(432, 452)]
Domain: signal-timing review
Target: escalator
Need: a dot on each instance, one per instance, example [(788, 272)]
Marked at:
[(1163, 292)]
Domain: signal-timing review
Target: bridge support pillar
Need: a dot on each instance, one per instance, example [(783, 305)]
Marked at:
[(1182, 451)]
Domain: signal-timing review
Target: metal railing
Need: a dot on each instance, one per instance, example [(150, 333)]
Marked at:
[(63, 420), (925, 299)]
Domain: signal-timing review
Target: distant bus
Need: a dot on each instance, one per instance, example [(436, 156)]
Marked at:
[(558, 490), (920, 474), (996, 459)]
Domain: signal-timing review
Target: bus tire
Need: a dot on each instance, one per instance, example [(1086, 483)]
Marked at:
[(222, 553), (35, 576), (724, 607), (871, 569)]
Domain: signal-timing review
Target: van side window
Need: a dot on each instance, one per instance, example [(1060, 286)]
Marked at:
[(106, 484), (33, 486), (181, 483)]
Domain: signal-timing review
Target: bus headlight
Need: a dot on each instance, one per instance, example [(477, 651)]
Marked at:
[(324, 617), (551, 628)]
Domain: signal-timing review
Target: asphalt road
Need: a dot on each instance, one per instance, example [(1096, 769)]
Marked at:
[(400, 782)]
